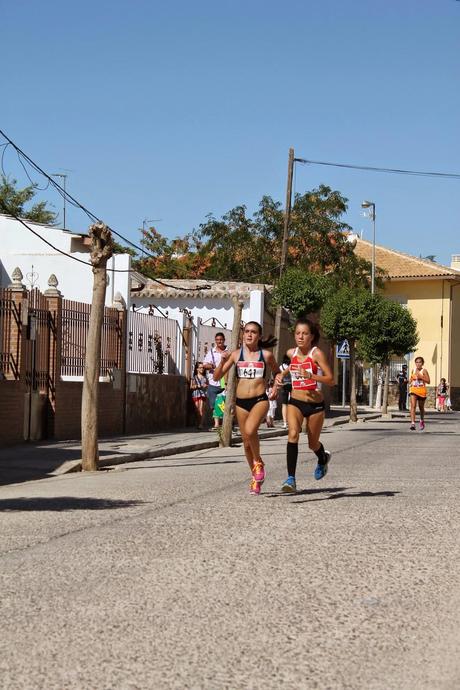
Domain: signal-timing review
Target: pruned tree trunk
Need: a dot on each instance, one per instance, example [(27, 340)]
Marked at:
[(353, 405), (386, 386), (101, 251), (227, 423)]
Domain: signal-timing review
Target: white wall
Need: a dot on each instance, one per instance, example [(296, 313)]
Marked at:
[(19, 247), (207, 309)]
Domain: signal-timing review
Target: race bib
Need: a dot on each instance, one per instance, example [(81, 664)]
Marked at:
[(300, 375), (250, 370)]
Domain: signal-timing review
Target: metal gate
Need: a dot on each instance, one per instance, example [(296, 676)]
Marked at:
[(204, 339), (39, 349)]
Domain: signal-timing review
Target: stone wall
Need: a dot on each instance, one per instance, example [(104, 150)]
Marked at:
[(65, 422), (155, 402), (12, 412)]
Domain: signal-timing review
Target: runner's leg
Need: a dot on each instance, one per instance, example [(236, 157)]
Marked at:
[(413, 403), (241, 416), (314, 427), (251, 427), (295, 421)]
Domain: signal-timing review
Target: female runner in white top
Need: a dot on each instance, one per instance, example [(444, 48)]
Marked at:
[(254, 365)]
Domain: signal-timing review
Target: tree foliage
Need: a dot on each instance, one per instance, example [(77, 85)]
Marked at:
[(347, 314), (238, 246), (393, 331), (13, 201), (178, 258), (301, 292)]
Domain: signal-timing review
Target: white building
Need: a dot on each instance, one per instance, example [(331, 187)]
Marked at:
[(211, 304), (19, 247)]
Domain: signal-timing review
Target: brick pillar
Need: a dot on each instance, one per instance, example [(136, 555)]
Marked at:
[(17, 344), (54, 303)]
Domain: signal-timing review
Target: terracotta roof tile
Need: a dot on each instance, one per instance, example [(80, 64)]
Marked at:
[(174, 287), (403, 266)]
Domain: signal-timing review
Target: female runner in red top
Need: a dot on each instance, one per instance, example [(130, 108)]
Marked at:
[(306, 400)]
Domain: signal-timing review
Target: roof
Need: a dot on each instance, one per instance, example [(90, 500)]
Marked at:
[(173, 287), (400, 266)]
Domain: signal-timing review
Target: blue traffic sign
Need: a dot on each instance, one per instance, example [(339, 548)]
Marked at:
[(342, 350)]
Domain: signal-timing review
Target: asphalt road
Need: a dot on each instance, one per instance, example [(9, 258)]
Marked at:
[(168, 575)]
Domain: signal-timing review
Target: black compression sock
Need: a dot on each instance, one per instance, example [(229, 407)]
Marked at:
[(321, 455), (291, 457)]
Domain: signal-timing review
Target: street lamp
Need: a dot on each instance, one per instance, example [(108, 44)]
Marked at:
[(371, 205), (64, 178)]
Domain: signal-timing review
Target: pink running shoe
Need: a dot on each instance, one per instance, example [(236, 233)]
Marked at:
[(422, 425), (254, 488), (258, 471)]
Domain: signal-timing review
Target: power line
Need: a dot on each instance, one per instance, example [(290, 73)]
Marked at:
[(369, 168), (74, 202), (60, 251), (77, 204), (70, 198)]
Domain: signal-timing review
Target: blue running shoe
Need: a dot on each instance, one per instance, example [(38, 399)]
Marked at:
[(321, 470), (289, 486)]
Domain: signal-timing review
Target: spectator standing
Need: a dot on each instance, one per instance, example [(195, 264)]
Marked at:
[(272, 405), (198, 386), (442, 394), (402, 387), (286, 389), (211, 362)]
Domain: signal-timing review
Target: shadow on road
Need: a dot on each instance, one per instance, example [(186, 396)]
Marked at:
[(357, 494), (64, 503), (305, 492), (25, 463)]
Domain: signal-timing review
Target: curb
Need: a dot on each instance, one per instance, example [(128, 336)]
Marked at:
[(108, 460)]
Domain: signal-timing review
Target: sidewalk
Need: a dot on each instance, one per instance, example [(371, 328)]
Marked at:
[(30, 461)]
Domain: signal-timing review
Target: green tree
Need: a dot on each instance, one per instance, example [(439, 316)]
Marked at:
[(177, 258), (123, 249), (238, 246), (346, 314), (391, 331), (301, 292), (13, 201), (242, 248)]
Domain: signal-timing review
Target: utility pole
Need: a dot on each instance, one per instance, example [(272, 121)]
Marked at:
[(227, 422), (101, 251), (284, 246)]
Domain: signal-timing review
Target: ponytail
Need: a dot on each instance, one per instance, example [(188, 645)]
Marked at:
[(263, 342), (268, 342)]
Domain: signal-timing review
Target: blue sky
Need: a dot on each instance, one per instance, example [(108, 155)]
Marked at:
[(173, 110)]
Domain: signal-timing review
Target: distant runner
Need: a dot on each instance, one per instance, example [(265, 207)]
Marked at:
[(417, 389)]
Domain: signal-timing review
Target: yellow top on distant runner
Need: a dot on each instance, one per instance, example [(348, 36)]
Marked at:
[(417, 386)]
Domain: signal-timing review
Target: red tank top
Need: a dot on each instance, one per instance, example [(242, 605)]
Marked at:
[(298, 367)]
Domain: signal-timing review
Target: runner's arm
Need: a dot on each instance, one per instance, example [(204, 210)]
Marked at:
[(327, 376), (284, 372), (226, 362)]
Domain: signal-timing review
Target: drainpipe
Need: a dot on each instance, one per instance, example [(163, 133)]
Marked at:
[(449, 370)]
